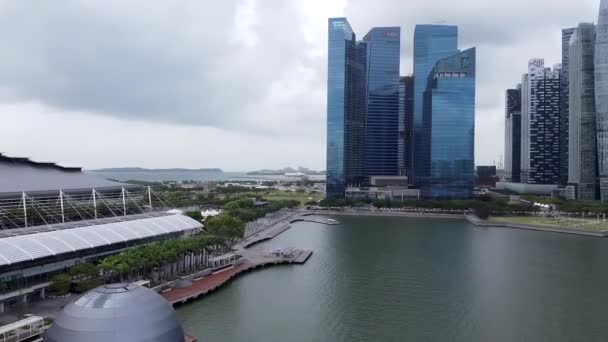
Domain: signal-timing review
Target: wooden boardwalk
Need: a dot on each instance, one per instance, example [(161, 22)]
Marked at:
[(252, 260)]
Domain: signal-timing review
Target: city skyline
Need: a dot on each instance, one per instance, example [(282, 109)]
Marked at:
[(64, 99)]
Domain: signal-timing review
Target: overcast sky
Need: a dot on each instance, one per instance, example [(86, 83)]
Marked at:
[(235, 84)]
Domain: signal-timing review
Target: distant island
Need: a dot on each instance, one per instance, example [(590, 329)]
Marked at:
[(139, 169), (288, 171)]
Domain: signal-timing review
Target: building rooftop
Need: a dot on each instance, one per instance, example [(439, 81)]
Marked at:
[(21, 174), (29, 247)]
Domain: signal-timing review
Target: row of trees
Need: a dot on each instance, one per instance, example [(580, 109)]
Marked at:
[(230, 224), (157, 261), (481, 205)]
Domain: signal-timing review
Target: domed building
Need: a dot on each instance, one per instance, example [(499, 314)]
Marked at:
[(117, 313)]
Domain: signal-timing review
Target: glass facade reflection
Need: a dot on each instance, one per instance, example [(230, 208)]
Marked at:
[(601, 97), (447, 166), (431, 43), (564, 105), (406, 112), (582, 142), (346, 107), (513, 135), (382, 125)]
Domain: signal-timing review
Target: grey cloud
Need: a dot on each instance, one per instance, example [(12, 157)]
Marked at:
[(179, 62)]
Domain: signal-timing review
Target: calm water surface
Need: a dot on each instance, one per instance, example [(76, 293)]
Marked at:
[(393, 279)]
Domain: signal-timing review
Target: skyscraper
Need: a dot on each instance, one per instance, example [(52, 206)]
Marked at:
[(346, 107), (406, 112), (513, 135), (582, 142), (563, 124), (382, 125), (431, 43), (540, 120), (449, 128), (601, 97)]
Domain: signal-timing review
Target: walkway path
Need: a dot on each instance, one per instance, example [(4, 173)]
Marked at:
[(251, 260)]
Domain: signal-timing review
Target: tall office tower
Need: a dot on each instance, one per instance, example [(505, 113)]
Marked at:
[(382, 125), (601, 97), (406, 109), (583, 144), (540, 143), (346, 108), (431, 43), (563, 122), (449, 128), (513, 135)]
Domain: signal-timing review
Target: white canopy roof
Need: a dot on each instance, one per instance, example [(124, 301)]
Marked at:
[(21, 248)]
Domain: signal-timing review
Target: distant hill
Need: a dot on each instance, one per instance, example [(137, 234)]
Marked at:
[(139, 169)]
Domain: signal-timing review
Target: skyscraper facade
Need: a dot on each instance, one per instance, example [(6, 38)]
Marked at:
[(540, 156), (513, 135), (406, 112), (346, 107), (601, 97), (449, 128), (431, 44), (382, 125), (582, 142), (564, 98)]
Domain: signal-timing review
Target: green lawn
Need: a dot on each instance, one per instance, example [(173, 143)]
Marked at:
[(592, 225), (277, 195)]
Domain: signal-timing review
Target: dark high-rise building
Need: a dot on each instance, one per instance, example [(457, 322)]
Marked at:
[(601, 97), (447, 167), (540, 156), (582, 142), (513, 135), (563, 124), (406, 112), (382, 125), (431, 43), (346, 108)]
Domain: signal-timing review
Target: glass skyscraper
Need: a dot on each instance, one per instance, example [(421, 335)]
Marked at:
[(582, 173), (513, 135), (564, 98), (447, 169), (382, 125), (406, 112), (346, 108), (431, 43), (601, 97), (540, 121)]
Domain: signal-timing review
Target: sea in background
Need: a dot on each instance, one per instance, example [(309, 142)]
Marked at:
[(193, 175)]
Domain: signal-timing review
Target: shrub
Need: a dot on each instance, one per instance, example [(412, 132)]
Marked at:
[(61, 283)]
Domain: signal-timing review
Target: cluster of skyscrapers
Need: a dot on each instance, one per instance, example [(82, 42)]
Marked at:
[(556, 130), (380, 124)]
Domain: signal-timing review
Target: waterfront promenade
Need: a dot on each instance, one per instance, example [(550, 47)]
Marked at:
[(459, 215), (250, 261)]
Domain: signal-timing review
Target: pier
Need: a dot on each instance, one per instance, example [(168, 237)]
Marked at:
[(250, 261)]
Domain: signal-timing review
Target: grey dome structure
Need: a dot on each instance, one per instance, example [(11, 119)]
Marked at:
[(117, 313)]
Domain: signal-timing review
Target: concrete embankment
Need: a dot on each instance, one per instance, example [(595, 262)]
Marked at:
[(470, 218), (482, 223), (386, 213)]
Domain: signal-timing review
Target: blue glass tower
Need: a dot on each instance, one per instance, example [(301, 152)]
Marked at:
[(382, 124), (346, 108), (431, 43), (447, 169)]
